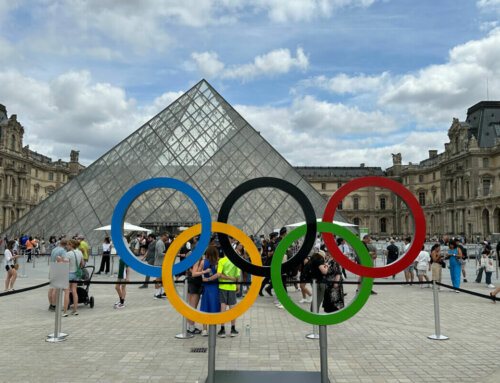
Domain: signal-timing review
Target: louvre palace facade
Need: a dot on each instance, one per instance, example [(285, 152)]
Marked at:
[(458, 189), (26, 177)]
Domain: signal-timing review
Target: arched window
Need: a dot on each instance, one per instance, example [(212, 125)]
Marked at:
[(383, 225), (13, 142), (356, 221)]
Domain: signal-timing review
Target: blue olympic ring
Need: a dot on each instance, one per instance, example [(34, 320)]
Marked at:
[(129, 197)]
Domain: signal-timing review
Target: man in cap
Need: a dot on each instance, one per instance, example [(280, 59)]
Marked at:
[(84, 248)]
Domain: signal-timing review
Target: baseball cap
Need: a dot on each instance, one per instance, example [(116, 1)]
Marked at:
[(80, 237), (322, 253)]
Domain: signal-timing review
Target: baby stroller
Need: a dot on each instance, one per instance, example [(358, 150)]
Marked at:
[(83, 286)]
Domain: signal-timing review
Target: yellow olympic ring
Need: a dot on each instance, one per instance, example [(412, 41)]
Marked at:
[(186, 310)]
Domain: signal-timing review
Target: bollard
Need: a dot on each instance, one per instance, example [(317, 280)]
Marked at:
[(22, 274), (314, 334), (57, 336), (437, 335), (323, 354), (184, 334), (212, 329)]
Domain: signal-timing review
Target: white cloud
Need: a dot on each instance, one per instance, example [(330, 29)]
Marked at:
[(72, 112), (489, 4), (207, 63), (278, 61), (342, 83)]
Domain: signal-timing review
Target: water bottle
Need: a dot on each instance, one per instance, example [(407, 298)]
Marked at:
[(247, 331)]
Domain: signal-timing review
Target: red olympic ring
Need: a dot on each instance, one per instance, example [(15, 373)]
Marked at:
[(418, 218)]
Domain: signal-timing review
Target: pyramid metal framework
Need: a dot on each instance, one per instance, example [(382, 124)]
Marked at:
[(199, 139)]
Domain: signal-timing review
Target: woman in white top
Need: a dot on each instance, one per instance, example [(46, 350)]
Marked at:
[(9, 265), (75, 259), (422, 264)]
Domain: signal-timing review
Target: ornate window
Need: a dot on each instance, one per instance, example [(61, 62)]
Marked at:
[(356, 221), (355, 203), (382, 203), (323, 186), (421, 198), (486, 186), (383, 225), (420, 178), (13, 142), (486, 162), (51, 176)]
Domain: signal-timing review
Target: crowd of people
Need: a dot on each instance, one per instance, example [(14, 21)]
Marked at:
[(212, 281)]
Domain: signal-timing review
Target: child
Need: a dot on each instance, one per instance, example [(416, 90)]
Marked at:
[(123, 276), (422, 264)]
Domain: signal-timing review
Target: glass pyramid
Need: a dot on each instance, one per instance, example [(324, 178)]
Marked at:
[(199, 139)]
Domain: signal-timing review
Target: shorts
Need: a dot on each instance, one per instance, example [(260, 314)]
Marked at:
[(9, 267), (159, 261), (195, 286), (72, 277), (227, 297), (410, 268), (421, 272)]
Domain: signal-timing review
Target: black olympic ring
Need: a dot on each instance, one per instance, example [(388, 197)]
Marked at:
[(302, 200)]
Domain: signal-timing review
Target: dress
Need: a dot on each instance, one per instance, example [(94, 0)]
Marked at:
[(334, 296), (455, 268), (210, 298)]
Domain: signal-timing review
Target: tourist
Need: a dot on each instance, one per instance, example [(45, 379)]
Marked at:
[(437, 263), (75, 259), (334, 291), (106, 256), (160, 250), (227, 272), (29, 247), (463, 259), (57, 252), (481, 266), (422, 264), (210, 298), (392, 253), (195, 289), (317, 269), (344, 248), (121, 288), (454, 254), (269, 251), (303, 287), (409, 275), (486, 264), (149, 257), (83, 247), (9, 257)]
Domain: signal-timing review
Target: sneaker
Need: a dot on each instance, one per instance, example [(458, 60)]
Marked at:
[(164, 295), (65, 314), (260, 293), (465, 280), (98, 273), (309, 300), (156, 296), (222, 333), (373, 293), (204, 333), (121, 306), (280, 306), (196, 331), (74, 312), (234, 333), (143, 286), (52, 308), (457, 291), (303, 300), (491, 286)]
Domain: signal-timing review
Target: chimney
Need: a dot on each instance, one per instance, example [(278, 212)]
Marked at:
[(433, 153), (362, 165)]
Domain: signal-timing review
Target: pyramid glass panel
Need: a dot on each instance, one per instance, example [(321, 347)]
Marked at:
[(199, 139)]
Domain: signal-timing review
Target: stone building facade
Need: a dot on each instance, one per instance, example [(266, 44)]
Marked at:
[(457, 189), (26, 177)]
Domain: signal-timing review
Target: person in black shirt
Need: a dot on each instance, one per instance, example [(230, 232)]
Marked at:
[(270, 248), (392, 254)]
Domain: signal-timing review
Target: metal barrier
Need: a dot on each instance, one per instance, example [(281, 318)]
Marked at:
[(184, 334), (315, 333), (437, 321), (58, 335)]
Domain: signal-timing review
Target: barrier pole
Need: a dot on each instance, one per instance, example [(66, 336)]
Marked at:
[(57, 336), (23, 266), (437, 322), (323, 354), (184, 334), (212, 329), (314, 334)]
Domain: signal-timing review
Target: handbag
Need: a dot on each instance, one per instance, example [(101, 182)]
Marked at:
[(79, 271), (489, 265), (16, 266)]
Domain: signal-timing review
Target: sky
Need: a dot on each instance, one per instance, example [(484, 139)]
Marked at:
[(326, 82)]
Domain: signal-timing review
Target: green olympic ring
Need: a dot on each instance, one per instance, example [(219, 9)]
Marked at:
[(298, 312)]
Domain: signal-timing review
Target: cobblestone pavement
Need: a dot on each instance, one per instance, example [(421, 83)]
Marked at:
[(385, 342)]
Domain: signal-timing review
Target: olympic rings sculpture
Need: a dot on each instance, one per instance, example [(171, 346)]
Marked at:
[(255, 268)]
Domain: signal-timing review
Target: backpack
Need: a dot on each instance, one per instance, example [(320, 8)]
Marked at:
[(79, 271)]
